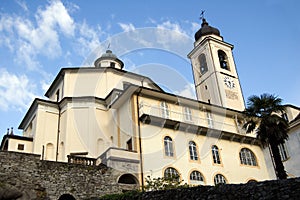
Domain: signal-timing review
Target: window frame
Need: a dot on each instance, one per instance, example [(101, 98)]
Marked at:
[(168, 146), (187, 113), (283, 151), (203, 63), (165, 113), (219, 179), (216, 155), (210, 120), (223, 58), (247, 157), (193, 151), (172, 172), (199, 178)]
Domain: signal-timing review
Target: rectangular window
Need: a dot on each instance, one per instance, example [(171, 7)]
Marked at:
[(57, 95), (283, 151), (209, 119), (21, 147), (187, 114), (164, 109), (129, 145), (168, 143)]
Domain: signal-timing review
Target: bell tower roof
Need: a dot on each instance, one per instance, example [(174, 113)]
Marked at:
[(206, 30)]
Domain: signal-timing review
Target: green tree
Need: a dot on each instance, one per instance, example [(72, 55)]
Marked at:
[(163, 183), (263, 114)]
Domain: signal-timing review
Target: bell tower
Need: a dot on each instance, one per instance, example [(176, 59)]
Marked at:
[(215, 76)]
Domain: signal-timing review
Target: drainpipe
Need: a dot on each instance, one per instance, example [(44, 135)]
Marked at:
[(58, 132), (140, 141)]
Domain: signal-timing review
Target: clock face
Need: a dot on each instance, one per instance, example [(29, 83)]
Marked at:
[(229, 82)]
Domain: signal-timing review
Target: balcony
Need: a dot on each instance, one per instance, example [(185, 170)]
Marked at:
[(157, 116), (121, 159), (81, 160)]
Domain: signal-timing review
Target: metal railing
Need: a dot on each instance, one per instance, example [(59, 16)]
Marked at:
[(187, 118)]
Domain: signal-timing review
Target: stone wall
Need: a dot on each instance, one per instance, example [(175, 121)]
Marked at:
[(277, 189), (25, 176), (32, 178)]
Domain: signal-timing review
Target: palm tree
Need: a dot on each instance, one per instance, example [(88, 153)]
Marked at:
[(263, 114)]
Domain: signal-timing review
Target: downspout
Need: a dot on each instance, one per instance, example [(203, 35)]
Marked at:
[(273, 162), (140, 141), (58, 132)]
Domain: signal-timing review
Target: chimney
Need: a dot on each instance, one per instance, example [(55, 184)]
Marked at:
[(12, 131)]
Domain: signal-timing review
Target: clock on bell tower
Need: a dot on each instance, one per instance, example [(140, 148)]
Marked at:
[(215, 76)]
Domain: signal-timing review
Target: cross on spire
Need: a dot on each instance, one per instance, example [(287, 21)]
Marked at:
[(202, 14)]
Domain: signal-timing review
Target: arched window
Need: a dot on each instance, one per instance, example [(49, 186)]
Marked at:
[(216, 154), (247, 157), (219, 179), (49, 151), (168, 143), (164, 109), (196, 178), (252, 181), (193, 150), (203, 64), (187, 114), (223, 60), (171, 173)]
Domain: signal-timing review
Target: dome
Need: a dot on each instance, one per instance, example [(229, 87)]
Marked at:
[(206, 30), (108, 54), (108, 59)]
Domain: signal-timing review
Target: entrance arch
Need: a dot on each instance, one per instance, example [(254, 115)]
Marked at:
[(66, 197), (128, 179)]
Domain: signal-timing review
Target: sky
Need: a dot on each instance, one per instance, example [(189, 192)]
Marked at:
[(153, 38)]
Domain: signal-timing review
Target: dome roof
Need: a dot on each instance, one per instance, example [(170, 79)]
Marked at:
[(109, 56), (206, 30)]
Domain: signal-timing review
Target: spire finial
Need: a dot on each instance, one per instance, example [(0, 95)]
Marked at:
[(202, 14)]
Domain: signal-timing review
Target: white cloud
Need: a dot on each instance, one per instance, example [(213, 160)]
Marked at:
[(127, 27), (172, 26), (88, 38), (16, 91), (40, 37), (188, 91), (22, 4)]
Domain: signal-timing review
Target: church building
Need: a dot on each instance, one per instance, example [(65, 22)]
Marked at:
[(105, 114)]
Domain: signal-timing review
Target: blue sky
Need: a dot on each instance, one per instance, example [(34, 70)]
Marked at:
[(37, 38)]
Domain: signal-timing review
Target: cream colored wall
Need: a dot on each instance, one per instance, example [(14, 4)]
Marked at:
[(46, 131), (85, 127), (291, 112), (155, 162), (13, 145), (30, 128), (99, 84), (126, 124), (231, 98), (60, 89), (293, 147)]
